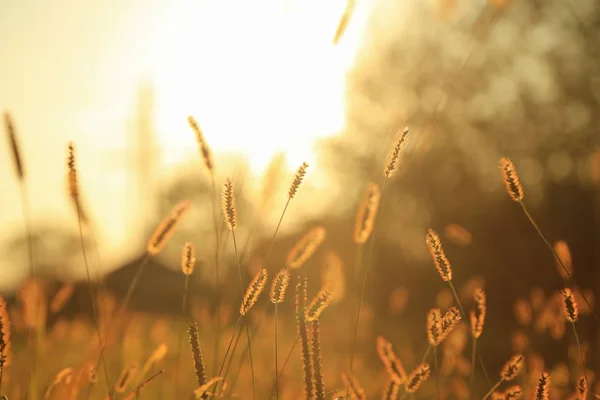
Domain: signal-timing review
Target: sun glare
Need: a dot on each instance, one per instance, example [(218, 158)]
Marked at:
[(260, 77)]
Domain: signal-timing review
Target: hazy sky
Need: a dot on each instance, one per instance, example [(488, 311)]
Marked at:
[(249, 71), (70, 72)]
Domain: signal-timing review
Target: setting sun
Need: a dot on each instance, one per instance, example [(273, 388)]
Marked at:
[(260, 77)]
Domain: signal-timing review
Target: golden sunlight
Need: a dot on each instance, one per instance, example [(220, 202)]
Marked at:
[(267, 80)]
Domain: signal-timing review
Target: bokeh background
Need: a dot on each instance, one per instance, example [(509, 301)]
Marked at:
[(474, 81)]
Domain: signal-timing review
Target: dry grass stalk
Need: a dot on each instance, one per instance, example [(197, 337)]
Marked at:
[(392, 163), (228, 204), (365, 218), (305, 247), (541, 389), (318, 304), (62, 297), (316, 361), (125, 378), (14, 146), (166, 229), (511, 179), (298, 178), (301, 288), (355, 390), (254, 290), (188, 259), (417, 377), (437, 254), (392, 363), (205, 151), (478, 313), (199, 367), (279, 286)]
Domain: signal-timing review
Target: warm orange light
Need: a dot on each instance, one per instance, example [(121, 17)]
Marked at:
[(260, 77)]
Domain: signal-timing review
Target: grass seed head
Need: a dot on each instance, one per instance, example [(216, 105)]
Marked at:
[(478, 313), (355, 390), (5, 342), (571, 309), (14, 146), (199, 367), (417, 377), (392, 363), (305, 247), (582, 388), (279, 286), (394, 156), (513, 393), (166, 229), (365, 218), (228, 204), (541, 389), (434, 326), (254, 290), (62, 297), (511, 179), (318, 304), (72, 172), (188, 259), (512, 368), (298, 178), (125, 378), (205, 151), (437, 254)]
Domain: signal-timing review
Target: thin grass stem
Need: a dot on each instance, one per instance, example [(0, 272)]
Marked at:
[(92, 297), (464, 316), (488, 394), (276, 356), (247, 329), (365, 278), (215, 212), (179, 342), (26, 219), (121, 310), (580, 354), (285, 363), (233, 335), (472, 381), (437, 371), (570, 276), (235, 344)]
